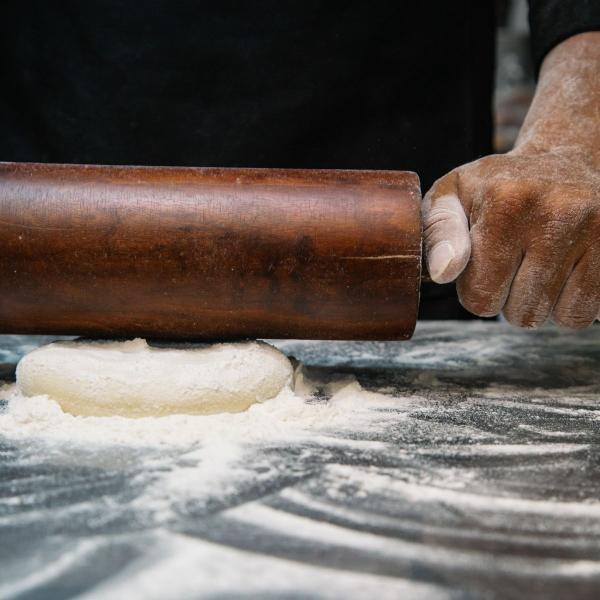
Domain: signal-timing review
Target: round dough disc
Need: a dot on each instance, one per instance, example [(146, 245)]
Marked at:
[(133, 379)]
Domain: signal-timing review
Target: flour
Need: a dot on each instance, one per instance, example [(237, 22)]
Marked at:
[(177, 567), (476, 460), (290, 414), (203, 452)]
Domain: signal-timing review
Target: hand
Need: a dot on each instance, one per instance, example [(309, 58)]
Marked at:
[(521, 231)]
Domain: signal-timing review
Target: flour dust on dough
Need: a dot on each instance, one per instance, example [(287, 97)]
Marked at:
[(134, 379)]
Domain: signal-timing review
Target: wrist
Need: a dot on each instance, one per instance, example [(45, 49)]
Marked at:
[(564, 117), (578, 152)]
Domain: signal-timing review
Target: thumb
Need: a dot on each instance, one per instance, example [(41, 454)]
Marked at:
[(446, 231)]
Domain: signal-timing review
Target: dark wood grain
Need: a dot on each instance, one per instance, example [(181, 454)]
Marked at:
[(208, 253)]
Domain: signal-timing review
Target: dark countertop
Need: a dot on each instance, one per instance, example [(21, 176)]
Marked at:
[(479, 478)]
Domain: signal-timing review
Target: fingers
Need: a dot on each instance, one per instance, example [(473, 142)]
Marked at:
[(496, 254), (446, 231), (552, 251), (485, 284), (579, 302), (536, 288)]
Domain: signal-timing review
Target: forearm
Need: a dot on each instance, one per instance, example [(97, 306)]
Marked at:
[(565, 113)]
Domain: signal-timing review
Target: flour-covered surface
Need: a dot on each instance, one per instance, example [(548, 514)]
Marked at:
[(462, 464)]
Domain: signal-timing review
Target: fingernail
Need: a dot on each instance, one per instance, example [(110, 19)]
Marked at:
[(439, 258)]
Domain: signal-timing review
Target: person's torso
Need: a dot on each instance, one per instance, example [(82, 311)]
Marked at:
[(372, 85)]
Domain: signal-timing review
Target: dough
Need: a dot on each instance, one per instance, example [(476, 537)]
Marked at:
[(133, 379)]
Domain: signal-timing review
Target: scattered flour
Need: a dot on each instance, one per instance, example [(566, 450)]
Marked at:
[(177, 567), (289, 414), (203, 452), (480, 472)]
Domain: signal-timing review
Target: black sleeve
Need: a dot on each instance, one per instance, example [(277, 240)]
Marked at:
[(552, 21)]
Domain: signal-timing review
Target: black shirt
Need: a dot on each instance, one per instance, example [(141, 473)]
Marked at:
[(266, 83)]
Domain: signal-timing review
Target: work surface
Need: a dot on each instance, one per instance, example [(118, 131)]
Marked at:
[(476, 475)]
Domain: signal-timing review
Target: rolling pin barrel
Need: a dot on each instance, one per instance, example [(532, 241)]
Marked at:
[(195, 253)]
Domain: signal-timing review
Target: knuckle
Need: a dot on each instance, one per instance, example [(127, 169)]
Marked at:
[(510, 201), (438, 220), (566, 212), (567, 233), (442, 186), (499, 211), (510, 191), (439, 215)]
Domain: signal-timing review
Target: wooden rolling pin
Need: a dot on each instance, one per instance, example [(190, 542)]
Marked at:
[(195, 253)]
